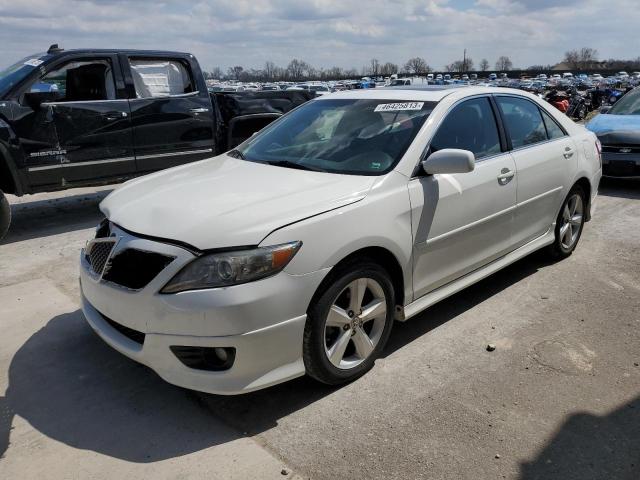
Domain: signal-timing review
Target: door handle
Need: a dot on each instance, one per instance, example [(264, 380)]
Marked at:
[(568, 152), (111, 116), (199, 110), (505, 176)]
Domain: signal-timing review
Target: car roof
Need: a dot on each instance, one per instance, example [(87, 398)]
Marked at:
[(90, 51), (430, 93)]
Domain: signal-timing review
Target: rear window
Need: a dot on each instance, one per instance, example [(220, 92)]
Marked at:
[(523, 121), (160, 78)]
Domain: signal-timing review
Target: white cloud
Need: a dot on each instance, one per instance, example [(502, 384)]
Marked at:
[(325, 32)]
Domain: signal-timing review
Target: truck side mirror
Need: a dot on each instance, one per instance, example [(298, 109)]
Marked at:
[(34, 100), (449, 160)]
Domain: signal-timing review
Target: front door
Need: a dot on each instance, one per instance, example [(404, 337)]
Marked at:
[(463, 221), (89, 126), (171, 114)]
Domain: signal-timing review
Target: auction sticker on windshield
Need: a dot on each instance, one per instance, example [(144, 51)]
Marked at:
[(34, 62), (395, 107)]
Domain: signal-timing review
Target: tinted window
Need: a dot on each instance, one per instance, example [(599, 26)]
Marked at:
[(469, 126), (78, 81), (361, 137), (523, 121), (629, 104), (160, 78), (553, 129)]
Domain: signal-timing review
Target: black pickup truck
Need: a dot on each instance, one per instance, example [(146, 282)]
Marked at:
[(71, 118)]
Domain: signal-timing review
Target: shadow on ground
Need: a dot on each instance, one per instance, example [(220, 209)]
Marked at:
[(590, 447), (620, 187), (73, 388), (44, 217)]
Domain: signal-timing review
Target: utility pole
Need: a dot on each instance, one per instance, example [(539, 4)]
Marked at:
[(464, 61)]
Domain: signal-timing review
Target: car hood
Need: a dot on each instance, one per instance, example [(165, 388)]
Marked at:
[(616, 129), (225, 202)]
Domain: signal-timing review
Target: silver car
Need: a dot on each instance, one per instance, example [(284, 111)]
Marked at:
[(295, 253)]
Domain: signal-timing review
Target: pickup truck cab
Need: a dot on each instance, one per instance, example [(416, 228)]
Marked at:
[(73, 118)]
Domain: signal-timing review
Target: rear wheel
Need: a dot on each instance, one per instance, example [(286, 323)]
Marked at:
[(349, 323), (569, 223), (5, 215)]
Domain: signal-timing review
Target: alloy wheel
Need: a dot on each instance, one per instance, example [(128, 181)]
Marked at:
[(355, 323), (572, 219)]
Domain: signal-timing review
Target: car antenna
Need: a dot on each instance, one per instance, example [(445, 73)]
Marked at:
[(54, 49)]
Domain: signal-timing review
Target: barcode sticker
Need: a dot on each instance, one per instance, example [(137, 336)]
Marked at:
[(34, 62), (395, 107)]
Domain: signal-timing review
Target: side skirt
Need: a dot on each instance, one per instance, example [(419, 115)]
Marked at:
[(461, 283)]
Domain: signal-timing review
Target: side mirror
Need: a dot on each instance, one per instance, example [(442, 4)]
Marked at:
[(449, 160), (605, 109), (34, 100)]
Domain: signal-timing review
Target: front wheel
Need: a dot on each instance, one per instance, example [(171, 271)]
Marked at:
[(349, 323), (5, 215), (569, 224)]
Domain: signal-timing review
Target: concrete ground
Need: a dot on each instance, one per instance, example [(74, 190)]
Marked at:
[(559, 398)]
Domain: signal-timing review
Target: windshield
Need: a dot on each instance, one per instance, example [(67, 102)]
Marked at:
[(318, 88), (18, 71), (629, 104), (359, 137)]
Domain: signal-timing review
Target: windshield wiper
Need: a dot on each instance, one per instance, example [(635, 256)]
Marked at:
[(236, 154), (299, 166)]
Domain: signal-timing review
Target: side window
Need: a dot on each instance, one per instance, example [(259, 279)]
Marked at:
[(79, 81), (553, 129), (160, 78), (523, 121), (469, 126)]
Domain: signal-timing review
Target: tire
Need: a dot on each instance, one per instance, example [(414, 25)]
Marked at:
[(360, 338), (567, 238), (5, 215)]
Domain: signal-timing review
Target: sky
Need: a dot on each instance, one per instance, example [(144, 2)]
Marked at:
[(326, 33)]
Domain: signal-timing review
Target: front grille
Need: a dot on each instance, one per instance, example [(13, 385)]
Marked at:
[(98, 252), (130, 333), (134, 269), (621, 148)]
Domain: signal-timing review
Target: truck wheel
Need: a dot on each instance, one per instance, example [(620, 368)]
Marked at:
[(5, 215)]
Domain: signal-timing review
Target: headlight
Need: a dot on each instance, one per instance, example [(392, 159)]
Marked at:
[(232, 268)]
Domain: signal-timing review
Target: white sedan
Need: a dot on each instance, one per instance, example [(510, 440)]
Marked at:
[(294, 253)]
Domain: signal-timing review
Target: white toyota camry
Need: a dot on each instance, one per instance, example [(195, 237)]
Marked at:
[(294, 253)]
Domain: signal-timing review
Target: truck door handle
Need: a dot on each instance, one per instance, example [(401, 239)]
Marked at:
[(568, 152), (505, 176), (111, 116), (199, 110)]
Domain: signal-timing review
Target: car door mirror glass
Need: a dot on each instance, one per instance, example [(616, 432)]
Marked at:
[(449, 160), (605, 109)]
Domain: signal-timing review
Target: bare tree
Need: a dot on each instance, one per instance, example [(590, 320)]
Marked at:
[(504, 63), (375, 67), (234, 73), (587, 56), (484, 64), (270, 70), (296, 69), (388, 69), (417, 65), (460, 66)]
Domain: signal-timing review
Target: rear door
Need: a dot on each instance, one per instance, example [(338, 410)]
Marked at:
[(463, 221), (545, 157), (170, 110)]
